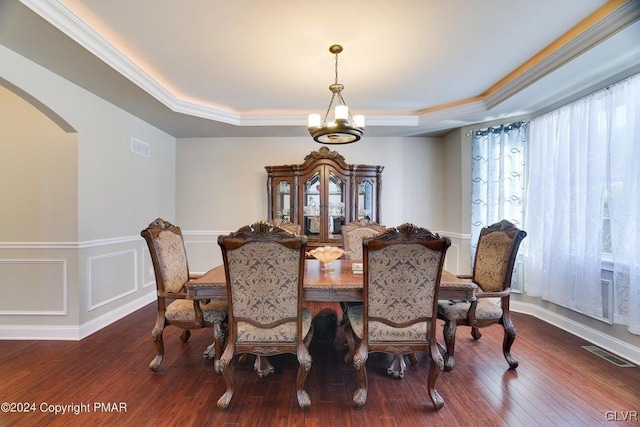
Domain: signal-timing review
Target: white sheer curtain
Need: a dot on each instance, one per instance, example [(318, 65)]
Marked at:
[(580, 156), (624, 200), (497, 172)]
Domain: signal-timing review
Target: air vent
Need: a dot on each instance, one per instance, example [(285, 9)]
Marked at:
[(608, 356), (141, 148)]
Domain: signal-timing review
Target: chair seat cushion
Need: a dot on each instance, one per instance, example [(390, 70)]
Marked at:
[(281, 333), (379, 331), (487, 308), (181, 310)]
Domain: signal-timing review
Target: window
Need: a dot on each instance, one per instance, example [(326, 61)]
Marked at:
[(583, 204)]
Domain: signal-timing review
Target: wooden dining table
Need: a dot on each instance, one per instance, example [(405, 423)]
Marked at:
[(339, 284)]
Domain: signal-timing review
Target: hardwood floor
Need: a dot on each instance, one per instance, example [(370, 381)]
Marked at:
[(557, 383)]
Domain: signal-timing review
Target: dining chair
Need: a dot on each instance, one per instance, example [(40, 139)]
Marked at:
[(492, 272), (264, 269), (352, 235), (354, 232), (402, 270), (262, 366), (169, 258)]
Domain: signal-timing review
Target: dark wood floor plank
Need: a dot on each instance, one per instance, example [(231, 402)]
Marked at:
[(556, 384)]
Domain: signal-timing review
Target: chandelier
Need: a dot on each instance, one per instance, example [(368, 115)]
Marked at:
[(344, 128)]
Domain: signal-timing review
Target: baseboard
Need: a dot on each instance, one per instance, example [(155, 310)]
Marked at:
[(98, 323), (611, 344), (73, 333)]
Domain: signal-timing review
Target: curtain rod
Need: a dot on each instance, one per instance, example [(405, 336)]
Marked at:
[(494, 129)]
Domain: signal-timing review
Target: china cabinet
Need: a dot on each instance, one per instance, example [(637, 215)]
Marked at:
[(322, 194)]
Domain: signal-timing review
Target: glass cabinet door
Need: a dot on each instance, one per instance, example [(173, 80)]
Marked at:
[(336, 206), (322, 194), (283, 201), (311, 206), (365, 203)]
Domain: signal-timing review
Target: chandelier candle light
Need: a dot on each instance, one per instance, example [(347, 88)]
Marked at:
[(344, 128)]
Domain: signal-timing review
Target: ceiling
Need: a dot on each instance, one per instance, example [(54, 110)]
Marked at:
[(199, 68)]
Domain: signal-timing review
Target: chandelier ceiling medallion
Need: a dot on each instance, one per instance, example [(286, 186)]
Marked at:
[(344, 128)]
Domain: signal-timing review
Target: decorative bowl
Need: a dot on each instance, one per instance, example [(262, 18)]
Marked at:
[(326, 255)]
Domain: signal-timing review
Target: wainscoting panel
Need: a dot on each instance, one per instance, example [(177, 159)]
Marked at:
[(451, 262), (458, 260), (146, 265), (111, 277), (203, 251), (44, 280)]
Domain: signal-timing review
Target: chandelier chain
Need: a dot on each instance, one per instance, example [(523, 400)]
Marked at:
[(326, 114)]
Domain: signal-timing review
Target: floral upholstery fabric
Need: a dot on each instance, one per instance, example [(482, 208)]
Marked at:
[(379, 331), (182, 310), (352, 241), (486, 309), (264, 281), (281, 333), (402, 281), (492, 257), (173, 261)]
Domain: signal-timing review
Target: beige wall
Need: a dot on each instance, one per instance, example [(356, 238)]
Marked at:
[(75, 205), (221, 183), (38, 174), (457, 200)]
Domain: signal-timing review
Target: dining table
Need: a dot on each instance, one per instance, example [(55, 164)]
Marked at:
[(339, 283)]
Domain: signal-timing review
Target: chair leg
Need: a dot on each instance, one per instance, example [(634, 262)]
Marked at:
[(186, 334), (434, 372), (413, 359), (397, 367), (156, 337), (227, 373), (218, 344), (509, 338), (449, 333), (308, 338), (351, 342), (304, 360), (475, 333), (263, 367), (359, 362)]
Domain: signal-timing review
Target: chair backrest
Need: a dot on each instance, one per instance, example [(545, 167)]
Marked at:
[(168, 254), (402, 269), (496, 255), (287, 225), (354, 232), (264, 267)]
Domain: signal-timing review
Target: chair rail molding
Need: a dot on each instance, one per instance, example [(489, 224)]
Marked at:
[(70, 245)]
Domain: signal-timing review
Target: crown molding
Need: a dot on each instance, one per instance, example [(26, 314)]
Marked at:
[(602, 24), (62, 18), (606, 21)]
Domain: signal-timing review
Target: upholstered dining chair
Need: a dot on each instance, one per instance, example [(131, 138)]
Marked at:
[(492, 271), (264, 269), (354, 232), (402, 269), (352, 235), (169, 258)]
